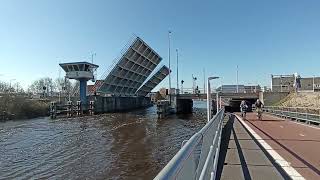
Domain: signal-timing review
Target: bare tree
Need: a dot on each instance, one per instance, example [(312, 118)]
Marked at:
[(43, 85), (4, 87)]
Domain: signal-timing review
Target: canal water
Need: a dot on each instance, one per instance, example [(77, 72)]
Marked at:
[(134, 145)]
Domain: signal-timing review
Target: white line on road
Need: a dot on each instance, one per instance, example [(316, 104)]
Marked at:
[(281, 126), (301, 134), (285, 165)]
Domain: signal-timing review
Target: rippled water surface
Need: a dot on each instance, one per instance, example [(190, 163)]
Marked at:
[(134, 145)]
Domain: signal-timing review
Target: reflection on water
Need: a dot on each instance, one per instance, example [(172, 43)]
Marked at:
[(134, 145)]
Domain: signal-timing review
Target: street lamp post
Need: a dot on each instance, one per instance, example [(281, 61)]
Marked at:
[(177, 71), (209, 98), (204, 81), (169, 33)]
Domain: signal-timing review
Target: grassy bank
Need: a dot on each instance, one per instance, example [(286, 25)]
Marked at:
[(12, 107), (301, 99)]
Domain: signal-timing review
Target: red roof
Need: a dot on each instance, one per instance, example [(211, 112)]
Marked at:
[(91, 89)]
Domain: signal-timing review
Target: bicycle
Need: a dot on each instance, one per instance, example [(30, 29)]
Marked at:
[(243, 114), (259, 113)]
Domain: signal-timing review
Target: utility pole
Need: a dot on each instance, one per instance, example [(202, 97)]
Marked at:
[(60, 88), (237, 79), (169, 33), (177, 71)]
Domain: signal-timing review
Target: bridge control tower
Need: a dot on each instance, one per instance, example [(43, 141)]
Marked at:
[(81, 71)]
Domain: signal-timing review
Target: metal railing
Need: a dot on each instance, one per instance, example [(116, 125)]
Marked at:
[(198, 157), (295, 113)]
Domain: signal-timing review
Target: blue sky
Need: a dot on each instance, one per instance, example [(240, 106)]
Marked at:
[(262, 37)]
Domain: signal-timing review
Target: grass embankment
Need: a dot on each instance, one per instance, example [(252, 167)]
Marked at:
[(301, 99), (12, 107)]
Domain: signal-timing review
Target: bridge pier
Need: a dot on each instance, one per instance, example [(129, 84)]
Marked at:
[(213, 107), (184, 106)]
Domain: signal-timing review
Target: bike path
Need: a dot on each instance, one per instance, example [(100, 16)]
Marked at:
[(297, 144)]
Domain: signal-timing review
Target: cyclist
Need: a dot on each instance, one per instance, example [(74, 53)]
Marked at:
[(243, 108), (259, 106)]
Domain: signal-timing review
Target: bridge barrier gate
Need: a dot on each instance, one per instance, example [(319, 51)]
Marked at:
[(198, 157)]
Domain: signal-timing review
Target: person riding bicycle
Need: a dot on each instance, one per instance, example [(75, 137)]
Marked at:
[(243, 108), (259, 106)]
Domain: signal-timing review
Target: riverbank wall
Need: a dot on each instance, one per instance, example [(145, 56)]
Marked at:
[(120, 104)]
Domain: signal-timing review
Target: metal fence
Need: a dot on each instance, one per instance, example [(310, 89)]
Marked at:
[(310, 115), (198, 157)]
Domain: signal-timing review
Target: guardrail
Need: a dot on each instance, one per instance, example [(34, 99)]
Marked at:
[(309, 115), (198, 157)]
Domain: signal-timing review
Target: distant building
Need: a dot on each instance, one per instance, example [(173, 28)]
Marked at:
[(155, 96), (282, 83), (266, 89), (286, 83), (92, 89), (163, 92)]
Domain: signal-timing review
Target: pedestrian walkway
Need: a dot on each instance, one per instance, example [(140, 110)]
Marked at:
[(241, 156)]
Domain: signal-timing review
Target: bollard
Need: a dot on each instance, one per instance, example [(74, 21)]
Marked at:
[(79, 113), (69, 109), (53, 110), (91, 108)]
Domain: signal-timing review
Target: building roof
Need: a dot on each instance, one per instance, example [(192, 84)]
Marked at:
[(76, 63)]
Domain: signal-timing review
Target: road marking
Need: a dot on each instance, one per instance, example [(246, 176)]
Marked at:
[(281, 126), (285, 165), (301, 134)]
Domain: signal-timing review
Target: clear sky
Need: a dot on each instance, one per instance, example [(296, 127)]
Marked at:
[(263, 37)]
